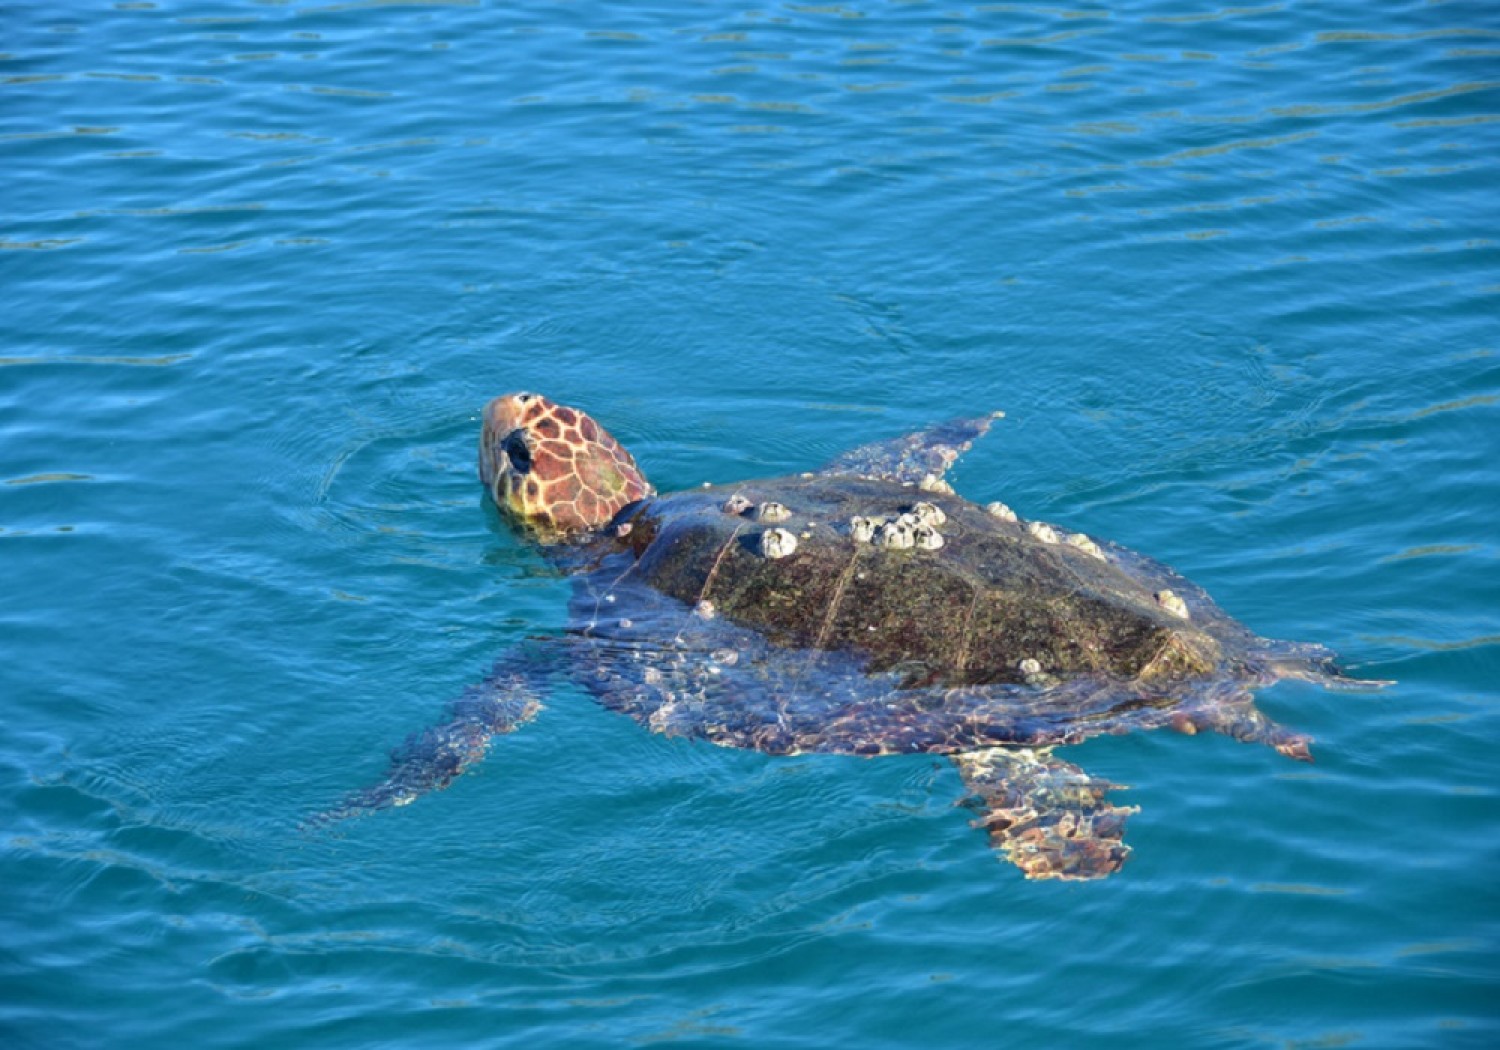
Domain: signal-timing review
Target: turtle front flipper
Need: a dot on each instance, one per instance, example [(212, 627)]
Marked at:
[(509, 697), (1046, 816), (918, 459)]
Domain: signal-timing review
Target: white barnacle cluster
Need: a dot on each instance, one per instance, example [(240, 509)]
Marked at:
[(1172, 604), (917, 527), (897, 534), (1045, 533), (1042, 531), (736, 505), (928, 513), (777, 543), (1088, 546), (1035, 674), (771, 513)]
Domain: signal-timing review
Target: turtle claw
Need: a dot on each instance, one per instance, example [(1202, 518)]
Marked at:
[(1046, 816), (1295, 745)]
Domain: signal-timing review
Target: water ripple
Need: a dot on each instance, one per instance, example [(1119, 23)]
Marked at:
[(1230, 269)]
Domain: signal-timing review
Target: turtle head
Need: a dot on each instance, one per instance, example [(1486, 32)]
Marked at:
[(553, 468)]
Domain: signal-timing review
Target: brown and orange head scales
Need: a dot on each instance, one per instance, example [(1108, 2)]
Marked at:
[(553, 468)]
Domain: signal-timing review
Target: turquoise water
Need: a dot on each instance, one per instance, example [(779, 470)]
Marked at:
[(1233, 273)]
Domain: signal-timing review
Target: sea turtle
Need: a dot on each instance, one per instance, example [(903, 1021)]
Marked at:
[(862, 609)]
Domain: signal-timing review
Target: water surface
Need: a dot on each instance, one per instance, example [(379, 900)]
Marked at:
[(1231, 271)]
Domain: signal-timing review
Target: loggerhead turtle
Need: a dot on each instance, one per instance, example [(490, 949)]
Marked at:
[(860, 609)]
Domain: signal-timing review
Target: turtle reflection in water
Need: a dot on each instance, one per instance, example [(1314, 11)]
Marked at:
[(864, 609)]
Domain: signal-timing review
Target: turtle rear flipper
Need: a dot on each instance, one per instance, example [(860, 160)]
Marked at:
[(430, 760), (1317, 664), (920, 458), (1234, 714), (1046, 816)]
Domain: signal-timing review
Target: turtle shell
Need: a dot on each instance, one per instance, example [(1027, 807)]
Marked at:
[(990, 601)]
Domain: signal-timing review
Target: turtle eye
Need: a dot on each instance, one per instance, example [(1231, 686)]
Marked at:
[(524, 399), (517, 452)]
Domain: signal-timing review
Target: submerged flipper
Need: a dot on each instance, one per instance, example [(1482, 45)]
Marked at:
[(918, 459), (1313, 663), (1046, 816), (509, 697), (1236, 716)]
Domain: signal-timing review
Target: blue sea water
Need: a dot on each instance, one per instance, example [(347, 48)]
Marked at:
[(1232, 271)]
